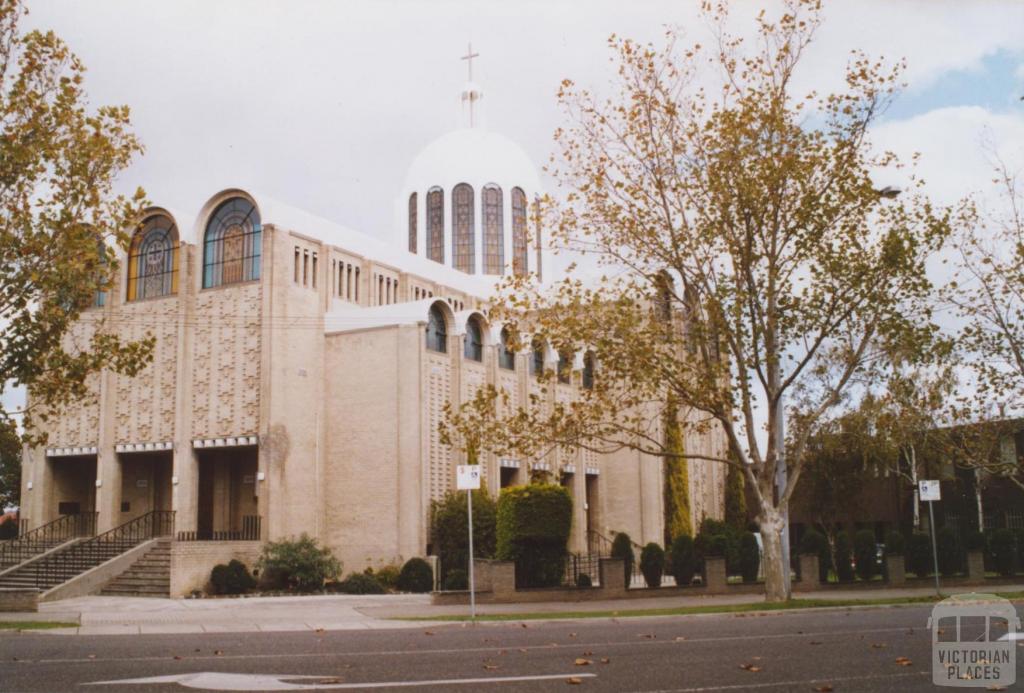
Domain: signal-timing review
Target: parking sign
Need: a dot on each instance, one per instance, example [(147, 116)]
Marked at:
[(467, 477), (930, 490)]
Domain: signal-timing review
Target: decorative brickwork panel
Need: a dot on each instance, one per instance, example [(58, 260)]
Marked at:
[(508, 382), (226, 362), (80, 424), (439, 379), (144, 406)]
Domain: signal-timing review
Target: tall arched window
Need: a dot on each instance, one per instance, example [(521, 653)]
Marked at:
[(564, 366), (153, 259), (435, 225), (537, 358), (520, 251), (232, 244), (473, 342), (588, 370), (437, 331), (494, 230), (506, 357), (412, 223), (463, 251)]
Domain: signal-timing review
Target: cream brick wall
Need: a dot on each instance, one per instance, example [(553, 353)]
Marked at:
[(192, 561)]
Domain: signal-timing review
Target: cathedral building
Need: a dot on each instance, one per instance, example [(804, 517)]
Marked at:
[(301, 368)]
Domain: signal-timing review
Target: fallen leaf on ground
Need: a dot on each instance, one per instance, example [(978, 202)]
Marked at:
[(646, 635), (428, 632), (605, 660), (572, 635), (522, 649), (903, 661), (490, 667), (588, 653), (750, 667), (319, 630), (824, 689), (878, 645), (523, 625), (218, 652), (175, 656), (574, 680), (92, 656), (680, 638), (581, 662)]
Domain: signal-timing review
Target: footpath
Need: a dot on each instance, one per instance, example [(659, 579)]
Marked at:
[(141, 616)]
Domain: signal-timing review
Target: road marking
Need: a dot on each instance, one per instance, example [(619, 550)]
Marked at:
[(222, 681), (458, 650), (776, 684)]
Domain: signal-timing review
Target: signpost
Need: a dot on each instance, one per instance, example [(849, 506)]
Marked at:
[(929, 490), (467, 478)]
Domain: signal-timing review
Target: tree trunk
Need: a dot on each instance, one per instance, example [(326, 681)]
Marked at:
[(913, 480), (978, 500), (776, 587)]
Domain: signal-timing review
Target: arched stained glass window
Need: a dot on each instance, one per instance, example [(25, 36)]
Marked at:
[(153, 259), (588, 370), (462, 228), (473, 342), (520, 251), (494, 230), (437, 331), (232, 244), (435, 225), (412, 222), (564, 366), (506, 357), (537, 360)]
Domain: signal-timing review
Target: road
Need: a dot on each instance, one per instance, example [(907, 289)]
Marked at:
[(839, 650)]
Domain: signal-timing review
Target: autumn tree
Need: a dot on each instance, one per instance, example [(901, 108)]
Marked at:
[(789, 271), (10, 465), (60, 221)]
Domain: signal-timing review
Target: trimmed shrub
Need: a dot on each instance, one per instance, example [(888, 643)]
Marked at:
[(814, 543), (750, 557), (231, 578), (919, 554), (843, 557), (652, 564), (975, 541), (683, 561), (865, 554), (386, 575), (359, 583), (456, 579), (895, 544), (300, 563), (533, 526), (450, 529), (416, 576), (1004, 552), (718, 539), (8, 530), (622, 548), (949, 554), (583, 580)]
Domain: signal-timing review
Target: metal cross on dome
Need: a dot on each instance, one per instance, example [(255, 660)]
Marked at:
[(469, 59)]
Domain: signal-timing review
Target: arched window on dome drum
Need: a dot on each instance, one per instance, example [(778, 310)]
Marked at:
[(232, 244), (412, 223), (435, 225), (494, 230), (537, 358), (437, 331), (588, 370), (473, 342), (153, 259), (520, 251), (564, 367), (462, 228), (506, 357)]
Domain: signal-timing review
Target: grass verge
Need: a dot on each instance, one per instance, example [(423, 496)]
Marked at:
[(792, 604), (35, 625)]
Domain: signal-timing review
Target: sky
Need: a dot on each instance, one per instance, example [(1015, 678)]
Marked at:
[(324, 104)]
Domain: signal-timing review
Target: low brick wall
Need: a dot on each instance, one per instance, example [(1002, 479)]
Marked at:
[(192, 561), (19, 599)]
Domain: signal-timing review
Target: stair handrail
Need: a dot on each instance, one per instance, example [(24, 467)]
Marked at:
[(35, 541), (155, 523)]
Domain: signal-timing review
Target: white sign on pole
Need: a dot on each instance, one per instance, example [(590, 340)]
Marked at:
[(467, 477), (929, 490)]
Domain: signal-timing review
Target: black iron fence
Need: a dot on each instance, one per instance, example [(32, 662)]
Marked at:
[(249, 530), (40, 539), (580, 564)]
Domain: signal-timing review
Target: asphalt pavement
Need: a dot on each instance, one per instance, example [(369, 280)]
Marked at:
[(883, 649)]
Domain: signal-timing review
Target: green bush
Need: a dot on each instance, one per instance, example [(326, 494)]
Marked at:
[(583, 580), (652, 564), (450, 529), (8, 530), (456, 579), (895, 544), (843, 557), (975, 541), (683, 561), (814, 543), (919, 554), (359, 583), (622, 548), (233, 578), (300, 563), (719, 539), (865, 554), (948, 550), (386, 575), (750, 557), (416, 576), (533, 530), (1004, 552)]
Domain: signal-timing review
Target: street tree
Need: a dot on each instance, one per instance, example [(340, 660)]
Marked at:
[(10, 465), (748, 268), (60, 221)]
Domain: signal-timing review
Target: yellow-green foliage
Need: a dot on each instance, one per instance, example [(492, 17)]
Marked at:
[(735, 499), (677, 481), (533, 526)]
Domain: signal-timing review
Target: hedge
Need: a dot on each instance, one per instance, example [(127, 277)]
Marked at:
[(843, 557), (949, 553), (1004, 553), (359, 583), (683, 561), (450, 528), (919, 554), (622, 549), (652, 564), (533, 524), (750, 557), (233, 578), (895, 544), (814, 543), (416, 576)]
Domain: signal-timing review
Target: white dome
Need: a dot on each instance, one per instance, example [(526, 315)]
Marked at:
[(475, 156)]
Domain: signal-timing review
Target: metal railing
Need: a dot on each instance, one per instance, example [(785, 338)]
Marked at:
[(40, 539), (63, 565), (577, 564), (249, 531)]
